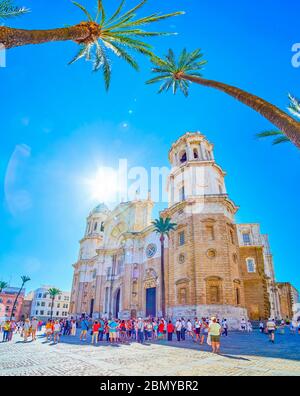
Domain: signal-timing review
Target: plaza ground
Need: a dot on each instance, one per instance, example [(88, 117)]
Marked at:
[(242, 355)]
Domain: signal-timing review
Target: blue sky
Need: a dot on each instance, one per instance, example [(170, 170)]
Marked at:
[(58, 124)]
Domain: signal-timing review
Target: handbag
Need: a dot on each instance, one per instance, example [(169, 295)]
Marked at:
[(208, 339)]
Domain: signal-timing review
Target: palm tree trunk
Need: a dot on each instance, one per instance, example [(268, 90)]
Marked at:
[(52, 306), (15, 302), (162, 270), (282, 120), (82, 32)]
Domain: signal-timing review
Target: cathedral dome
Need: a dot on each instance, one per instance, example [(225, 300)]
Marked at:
[(101, 208)]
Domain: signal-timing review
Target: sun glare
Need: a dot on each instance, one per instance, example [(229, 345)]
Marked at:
[(104, 186)]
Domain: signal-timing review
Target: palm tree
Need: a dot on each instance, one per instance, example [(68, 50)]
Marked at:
[(96, 35), (178, 74), (24, 279), (53, 292), (8, 10), (3, 285), (280, 137), (163, 228)]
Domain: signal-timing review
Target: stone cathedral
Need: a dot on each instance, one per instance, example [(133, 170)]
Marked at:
[(213, 266)]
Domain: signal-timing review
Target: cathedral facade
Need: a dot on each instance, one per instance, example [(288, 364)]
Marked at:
[(213, 266)]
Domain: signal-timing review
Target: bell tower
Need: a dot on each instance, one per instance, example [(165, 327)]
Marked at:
[(194, 171), (204, 276)]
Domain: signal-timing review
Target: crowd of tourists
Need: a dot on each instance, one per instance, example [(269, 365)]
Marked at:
[(204, 330)]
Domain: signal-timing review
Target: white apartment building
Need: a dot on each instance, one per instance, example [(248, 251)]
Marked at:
[(41, 304)]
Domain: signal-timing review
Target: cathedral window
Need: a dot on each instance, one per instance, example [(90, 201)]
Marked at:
[(102, 227), (182, 194), (210, 232), (183, 158), (95, 226), (196, 155), (251, 265), (181, 238), (246, 238), (182, 296), (238, 300), (231, 236)]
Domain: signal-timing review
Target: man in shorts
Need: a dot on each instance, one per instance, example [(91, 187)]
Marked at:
[(84, 329), (271, 327), (113, 326), (214, 331)]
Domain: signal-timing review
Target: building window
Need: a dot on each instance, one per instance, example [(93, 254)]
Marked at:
[(45, 295), (231, 236), (42, 312), (246, 238), (40, 295), (183, 158), (210, 232), (95, 226), (196, 155), (181, 238), (251, 265), (43, 303), (238, 300), (182, 194), (57, 313), (102, 227)]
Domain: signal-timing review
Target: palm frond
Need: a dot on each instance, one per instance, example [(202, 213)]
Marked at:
[(84, 10), (294, 107), (119, 33), (9, 10), (280, 137), (171, 68)]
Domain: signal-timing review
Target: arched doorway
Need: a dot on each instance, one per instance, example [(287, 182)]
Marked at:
[(117, 303)]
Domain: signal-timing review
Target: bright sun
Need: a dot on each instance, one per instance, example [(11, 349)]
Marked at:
[(104, 186)]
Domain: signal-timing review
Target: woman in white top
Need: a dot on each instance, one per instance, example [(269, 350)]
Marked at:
[(56, 331), (189, 329), (73, 328)]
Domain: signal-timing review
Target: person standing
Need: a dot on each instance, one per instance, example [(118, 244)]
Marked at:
[(183, 329), (261, 326), (225, 327), (214, 332), (249, 327), (6, 330), (140, 330), (101, 330), (243, 325), (73, 328), (203, 330), (189, 329), (271, 326), (56, 331), (84, 329), (34, 327), (113, 328), (170, 329), (95, 331), (197, 329), (178, 327), (26, 329)]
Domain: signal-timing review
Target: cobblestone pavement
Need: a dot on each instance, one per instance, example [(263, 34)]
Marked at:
[(242, 355)]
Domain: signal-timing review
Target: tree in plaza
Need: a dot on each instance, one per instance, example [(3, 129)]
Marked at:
[(9, 10), (121, 32), (53, 292), (179, 73), (24, 279), (280, 137), (3, 285), (163, 228)]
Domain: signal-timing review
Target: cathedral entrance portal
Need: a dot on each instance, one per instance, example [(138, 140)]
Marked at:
[(151, 302), (117, 303)]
